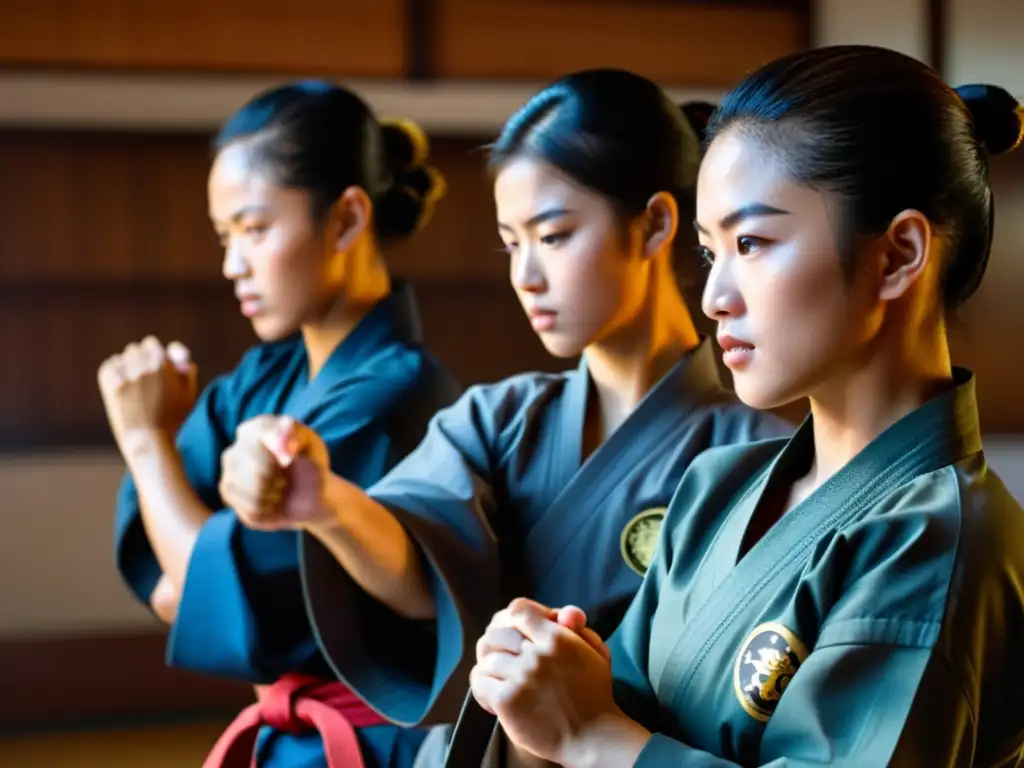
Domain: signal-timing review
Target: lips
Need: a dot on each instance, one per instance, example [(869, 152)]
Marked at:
[(250, 304), (736, 353), (731, 343), (541, 319)]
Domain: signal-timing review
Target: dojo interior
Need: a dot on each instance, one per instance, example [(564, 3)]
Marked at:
[(106, 111)]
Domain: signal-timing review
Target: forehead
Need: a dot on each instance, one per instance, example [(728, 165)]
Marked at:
[(526, 186), (234, 182), (736, 171)]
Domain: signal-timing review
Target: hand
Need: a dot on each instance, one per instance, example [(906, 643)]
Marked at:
[(274, 474), (147, 389), (546, 676)]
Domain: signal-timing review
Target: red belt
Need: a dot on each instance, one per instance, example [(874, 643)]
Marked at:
[(298, 704)]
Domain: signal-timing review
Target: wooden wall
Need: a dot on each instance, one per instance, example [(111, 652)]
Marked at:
[(106, 239), (690, 42)]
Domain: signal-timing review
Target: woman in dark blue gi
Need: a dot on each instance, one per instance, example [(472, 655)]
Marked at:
[(306, 190)]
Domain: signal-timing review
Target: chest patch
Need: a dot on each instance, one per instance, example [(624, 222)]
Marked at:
[(765, 665), (640, 538)]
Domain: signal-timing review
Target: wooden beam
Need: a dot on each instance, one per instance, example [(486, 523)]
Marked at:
[(193, 103), (938, 28), (420, 17)]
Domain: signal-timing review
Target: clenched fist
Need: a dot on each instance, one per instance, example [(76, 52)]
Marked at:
[(274, 474), (148, 388)]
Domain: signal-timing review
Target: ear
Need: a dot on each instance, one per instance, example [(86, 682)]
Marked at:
[(660, 222), (906, 253), (348, 218)]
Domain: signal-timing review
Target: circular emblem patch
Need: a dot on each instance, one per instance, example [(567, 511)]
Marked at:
[(765, 665), (640, 537)]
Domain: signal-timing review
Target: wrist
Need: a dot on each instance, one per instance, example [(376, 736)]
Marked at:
[(612, 739), (327, 519), (139, 444)]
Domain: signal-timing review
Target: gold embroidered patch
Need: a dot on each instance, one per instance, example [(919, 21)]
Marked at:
[(640, 538), (765, 665)]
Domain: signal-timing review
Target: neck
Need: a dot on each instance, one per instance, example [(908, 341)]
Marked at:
[(365, 283), (857, 406), (625, 366)]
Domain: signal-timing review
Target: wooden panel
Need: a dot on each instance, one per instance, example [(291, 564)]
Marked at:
[(106, 240), (59, 334), (988, 333), (706, 44), (95, 678), (104, 206), (341, 37), (94, 206), (56, 336)]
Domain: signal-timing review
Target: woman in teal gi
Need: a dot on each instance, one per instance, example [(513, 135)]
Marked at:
[(853, 596)]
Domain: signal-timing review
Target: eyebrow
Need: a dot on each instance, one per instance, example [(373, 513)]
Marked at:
[(741, 214), (540, 218), (248, 210)]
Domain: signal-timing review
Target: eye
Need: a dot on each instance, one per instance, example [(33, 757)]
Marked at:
[(705, 255), (746, 245), (256, 230), (554, 239), (510, 247)]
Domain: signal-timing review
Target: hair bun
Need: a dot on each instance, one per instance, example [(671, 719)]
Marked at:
[(998, 118), (698, 114), (415, 188), (405, 143)]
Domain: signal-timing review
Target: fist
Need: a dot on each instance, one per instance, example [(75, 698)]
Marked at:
[(274, 474), (148, 388)]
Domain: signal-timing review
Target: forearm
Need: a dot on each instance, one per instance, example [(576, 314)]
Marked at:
[(172, 514), (376, 551)]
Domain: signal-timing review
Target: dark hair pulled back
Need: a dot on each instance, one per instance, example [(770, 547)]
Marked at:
[(614, 132), (883, 133), (323, 139)]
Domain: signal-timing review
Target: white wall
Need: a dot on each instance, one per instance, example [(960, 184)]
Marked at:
[(56, 553), (898, 24), (986, 43)]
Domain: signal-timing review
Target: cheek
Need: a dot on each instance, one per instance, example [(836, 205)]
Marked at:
[(290, 268), (802, 310), (597, 285)]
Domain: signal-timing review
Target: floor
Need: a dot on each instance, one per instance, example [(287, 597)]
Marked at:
[(164, 746)]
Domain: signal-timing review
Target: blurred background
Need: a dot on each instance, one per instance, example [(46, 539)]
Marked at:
[(106, 110)]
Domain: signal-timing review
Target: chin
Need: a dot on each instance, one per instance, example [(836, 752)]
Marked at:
[(560, 346), (760, 393), (269, 331)]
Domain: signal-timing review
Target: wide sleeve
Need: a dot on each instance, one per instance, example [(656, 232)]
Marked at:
[(242, 612), (446, 494), (200, 441)]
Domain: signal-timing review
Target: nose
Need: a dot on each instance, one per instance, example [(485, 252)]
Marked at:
[(234, 266), (721, 297), (526, 271)]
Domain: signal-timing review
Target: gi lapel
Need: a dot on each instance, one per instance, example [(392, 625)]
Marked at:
[(942, 431), (392, 320), (638, 441)]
